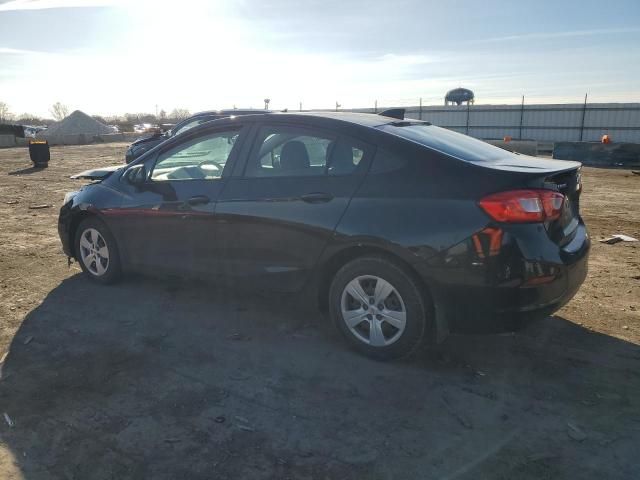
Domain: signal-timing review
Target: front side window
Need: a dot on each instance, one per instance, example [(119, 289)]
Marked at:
[(294, 152), (201, 158)]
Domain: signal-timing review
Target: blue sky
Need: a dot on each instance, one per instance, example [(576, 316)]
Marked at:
[(115, 56)]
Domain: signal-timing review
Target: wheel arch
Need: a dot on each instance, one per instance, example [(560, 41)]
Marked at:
[(334, 262), (78, 218), (331, 265)]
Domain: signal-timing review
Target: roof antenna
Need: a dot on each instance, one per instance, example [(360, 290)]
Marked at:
[(393, 113)]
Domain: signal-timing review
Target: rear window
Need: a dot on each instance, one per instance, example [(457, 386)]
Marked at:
[(446, 141)]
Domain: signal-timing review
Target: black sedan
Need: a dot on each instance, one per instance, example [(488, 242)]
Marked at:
[(406, 231), (147, 142)]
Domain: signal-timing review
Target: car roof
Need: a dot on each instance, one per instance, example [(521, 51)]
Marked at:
[(364, 126), (369, 120), (357, 118), (217, 114), (363, 119), (230, 111)]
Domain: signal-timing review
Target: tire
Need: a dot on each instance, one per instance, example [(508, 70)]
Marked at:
[(373, 273), (97, 252)]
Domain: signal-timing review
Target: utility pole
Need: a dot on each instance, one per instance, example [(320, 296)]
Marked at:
[(376, 107), (420, 115), (300, 106), (521, 116), (584, 114), (468, 113)]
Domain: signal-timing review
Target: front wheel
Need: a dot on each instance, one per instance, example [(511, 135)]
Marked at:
[(97, 252), (378, 307)]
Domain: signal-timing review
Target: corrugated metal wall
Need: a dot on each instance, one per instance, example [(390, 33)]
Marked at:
[(548, 123)]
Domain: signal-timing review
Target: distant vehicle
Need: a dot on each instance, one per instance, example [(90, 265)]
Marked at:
[(145, 128), (403, 230), (31, 131), (146, 143)]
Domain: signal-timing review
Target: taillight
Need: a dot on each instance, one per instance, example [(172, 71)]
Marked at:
[(523, 206)]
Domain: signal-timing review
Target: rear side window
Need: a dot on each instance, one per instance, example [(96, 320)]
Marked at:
[(316, 149), (448, 142), (294, 152), (345, 157)]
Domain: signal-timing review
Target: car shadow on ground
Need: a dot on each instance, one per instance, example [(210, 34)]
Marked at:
[(164, 379)]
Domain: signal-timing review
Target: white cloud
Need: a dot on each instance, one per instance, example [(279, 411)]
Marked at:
[(552, 35), (15, 51), (216, 58), (44, 4)]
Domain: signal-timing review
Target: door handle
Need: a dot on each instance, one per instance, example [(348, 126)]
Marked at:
[(317, 197), (198, 200)]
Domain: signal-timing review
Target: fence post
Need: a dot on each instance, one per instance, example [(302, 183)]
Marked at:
[(420, 115), (468, 108), (584, 113), (521, 116)]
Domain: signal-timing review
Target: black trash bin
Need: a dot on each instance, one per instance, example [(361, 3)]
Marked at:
[(39, 153)]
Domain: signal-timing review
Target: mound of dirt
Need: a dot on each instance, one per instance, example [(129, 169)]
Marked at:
[(76, 124)]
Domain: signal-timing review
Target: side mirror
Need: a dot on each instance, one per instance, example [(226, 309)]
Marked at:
[(136, 175)]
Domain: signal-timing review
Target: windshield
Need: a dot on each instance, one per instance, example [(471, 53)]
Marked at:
[(449, 142)]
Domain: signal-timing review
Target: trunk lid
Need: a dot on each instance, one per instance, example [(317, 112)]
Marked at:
[(525, 164), (570, 184), (558, 175)]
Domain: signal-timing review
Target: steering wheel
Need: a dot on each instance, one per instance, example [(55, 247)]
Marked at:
[(211, 162)]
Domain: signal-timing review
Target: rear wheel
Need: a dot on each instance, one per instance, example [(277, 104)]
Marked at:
[(97, 252), (378, 307)]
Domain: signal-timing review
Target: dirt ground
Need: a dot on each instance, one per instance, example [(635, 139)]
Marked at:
[(160, 379)]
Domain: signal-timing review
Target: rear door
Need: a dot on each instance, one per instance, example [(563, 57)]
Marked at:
[(276, 214)]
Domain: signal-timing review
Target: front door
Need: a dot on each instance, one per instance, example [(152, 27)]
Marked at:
[(275, 217), (167, 224)]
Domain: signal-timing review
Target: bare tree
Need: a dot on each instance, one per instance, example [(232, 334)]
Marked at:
[(140, 117), (59, 111), (5, 114), (180, 113), (30, 119)]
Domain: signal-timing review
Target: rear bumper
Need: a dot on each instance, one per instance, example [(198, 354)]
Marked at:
[(482, 298)]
